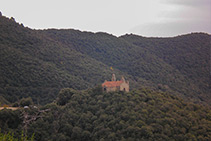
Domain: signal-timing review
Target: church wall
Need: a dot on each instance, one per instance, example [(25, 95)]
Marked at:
[(113, 85), (111, 89), (124, 87)]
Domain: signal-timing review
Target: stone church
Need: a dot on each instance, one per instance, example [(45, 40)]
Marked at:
[(113, 85)]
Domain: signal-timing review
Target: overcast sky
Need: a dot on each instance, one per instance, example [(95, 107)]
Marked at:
[(143, 17)]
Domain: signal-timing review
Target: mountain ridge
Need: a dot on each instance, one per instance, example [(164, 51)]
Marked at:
[(38, 63)]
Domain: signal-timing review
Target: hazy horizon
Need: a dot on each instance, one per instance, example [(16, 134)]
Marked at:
[(152, 18)]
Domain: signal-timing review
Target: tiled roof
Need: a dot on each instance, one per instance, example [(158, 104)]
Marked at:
[(112, 83)]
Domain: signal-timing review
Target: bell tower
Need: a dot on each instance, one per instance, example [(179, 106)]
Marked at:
[(113, 77)]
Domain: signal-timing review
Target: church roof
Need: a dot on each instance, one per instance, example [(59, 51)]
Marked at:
[(112, 83)]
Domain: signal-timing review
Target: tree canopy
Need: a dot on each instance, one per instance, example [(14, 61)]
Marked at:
[(141, 114)]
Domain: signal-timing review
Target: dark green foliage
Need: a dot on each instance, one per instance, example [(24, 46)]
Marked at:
[(9, 119), (34, 65), (187, 54), (26, 102), (38, 63), (10, 137), (3, 101), (65, 95), (142, 114), (138, 115)]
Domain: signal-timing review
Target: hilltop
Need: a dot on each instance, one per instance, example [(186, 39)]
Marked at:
[(93, 115), (38, 63)]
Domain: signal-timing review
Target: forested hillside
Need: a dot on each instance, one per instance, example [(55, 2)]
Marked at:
[(38, 63), (93, 115), (189, 54), (32, 64)]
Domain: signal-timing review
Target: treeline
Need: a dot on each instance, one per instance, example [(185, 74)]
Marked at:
[(38, 63), (36, 66), (94, 115), (189, 54)]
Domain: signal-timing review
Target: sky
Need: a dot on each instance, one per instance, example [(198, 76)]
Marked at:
[(150, 18)]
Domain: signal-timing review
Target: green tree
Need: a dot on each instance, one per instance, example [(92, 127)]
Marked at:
[(65, 95), (26, 102)]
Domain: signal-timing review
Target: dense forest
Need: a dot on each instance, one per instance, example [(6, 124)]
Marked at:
[(94, 115), (38, 63), (53, 77)]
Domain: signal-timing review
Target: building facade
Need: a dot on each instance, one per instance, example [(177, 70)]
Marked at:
[(114, 85)]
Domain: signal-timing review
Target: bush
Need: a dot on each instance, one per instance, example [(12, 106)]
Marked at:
[(26, 102)]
